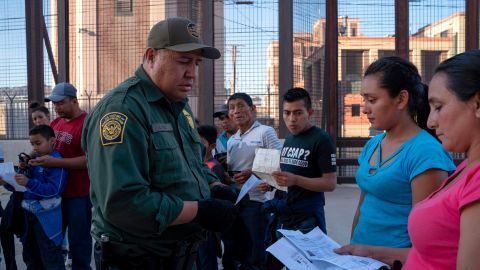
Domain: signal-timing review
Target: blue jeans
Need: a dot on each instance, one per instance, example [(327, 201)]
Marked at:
[(39, 252), (77, 216)]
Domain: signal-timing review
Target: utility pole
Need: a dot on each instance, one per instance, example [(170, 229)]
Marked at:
[(233, 83), (234, 64)]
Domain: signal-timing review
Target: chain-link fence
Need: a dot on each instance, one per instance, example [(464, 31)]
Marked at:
[(106, 41)]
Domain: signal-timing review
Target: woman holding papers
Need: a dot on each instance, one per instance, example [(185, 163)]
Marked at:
[(400, 166), (444, 226)]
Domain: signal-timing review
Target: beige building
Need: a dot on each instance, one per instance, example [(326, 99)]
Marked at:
[(428, 47), (107, 40), (303, 46)]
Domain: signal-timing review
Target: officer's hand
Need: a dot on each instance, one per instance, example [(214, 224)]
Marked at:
[(2, 182), (215, 215), (224, 192)]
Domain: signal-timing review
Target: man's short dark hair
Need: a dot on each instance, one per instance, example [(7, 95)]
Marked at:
[(298, 93), (243, 96), (45, 130), (208, 132)]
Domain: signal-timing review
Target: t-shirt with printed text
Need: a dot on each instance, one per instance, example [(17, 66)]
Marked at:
[(309, 154)]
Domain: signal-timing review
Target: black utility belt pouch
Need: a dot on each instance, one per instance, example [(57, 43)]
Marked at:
[(184, 255), (129, 256)]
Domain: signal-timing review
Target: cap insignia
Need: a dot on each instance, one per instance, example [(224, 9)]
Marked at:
[(192, 30)]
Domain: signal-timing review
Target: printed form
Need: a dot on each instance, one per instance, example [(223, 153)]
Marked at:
[(316, 248)]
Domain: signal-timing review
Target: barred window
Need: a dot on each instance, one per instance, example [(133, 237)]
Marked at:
[(123, 7), (430, 59)]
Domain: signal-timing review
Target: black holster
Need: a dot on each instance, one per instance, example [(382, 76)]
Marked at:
[(112, 254), (185, 255)]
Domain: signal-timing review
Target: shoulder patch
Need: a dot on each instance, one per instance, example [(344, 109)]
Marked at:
[(112, 127), (189, 118)]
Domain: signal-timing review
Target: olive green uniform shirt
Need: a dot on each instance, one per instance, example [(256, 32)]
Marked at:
[(144, 159)]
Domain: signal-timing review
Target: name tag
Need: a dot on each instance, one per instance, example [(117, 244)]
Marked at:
[(161, 127)]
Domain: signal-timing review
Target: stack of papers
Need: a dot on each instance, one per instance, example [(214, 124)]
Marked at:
[(314, 250), (267, 161)]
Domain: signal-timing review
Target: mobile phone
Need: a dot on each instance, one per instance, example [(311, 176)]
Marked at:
[(219, 155), (232, 173)]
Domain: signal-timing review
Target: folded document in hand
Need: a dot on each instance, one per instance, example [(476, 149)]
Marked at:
[(267, 161), (314, 250)]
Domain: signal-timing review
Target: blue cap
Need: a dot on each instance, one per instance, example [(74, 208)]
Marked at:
[(60, 91)]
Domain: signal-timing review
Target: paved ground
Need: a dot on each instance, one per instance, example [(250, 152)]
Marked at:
[(341, 205)]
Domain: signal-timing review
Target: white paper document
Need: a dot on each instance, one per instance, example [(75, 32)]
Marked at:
[(316, 248), (267, 161), (7, 172), (290, 256), (252, 182)]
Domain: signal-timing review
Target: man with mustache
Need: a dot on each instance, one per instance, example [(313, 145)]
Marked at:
[(150, 188)]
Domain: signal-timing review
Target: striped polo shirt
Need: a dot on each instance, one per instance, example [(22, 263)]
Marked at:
[(241, 150)]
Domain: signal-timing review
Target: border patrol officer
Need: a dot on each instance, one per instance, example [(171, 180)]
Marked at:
[(149, 185)]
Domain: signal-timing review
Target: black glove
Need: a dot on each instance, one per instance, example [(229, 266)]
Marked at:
[(215, 215), (224, 192)]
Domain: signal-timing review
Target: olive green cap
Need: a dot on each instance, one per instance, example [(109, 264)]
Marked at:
[(180, 35)]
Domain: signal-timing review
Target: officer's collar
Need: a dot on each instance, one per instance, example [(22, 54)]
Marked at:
[(157, 94)]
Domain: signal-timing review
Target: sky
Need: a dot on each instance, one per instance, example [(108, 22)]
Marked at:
[(251, 28), (13, 54)]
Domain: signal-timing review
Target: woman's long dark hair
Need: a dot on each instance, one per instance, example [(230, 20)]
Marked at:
[(397, 74), (463, 74)]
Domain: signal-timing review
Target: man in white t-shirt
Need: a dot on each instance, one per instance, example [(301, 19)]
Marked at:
[(250, 229)]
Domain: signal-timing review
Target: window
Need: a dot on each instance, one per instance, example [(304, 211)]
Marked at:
[(430, 60), (354, 27), (355, 110), (354, 62), (123, 7), (384, 53)]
